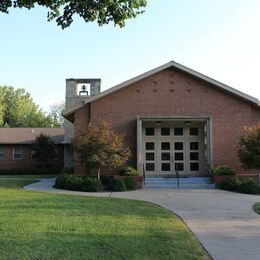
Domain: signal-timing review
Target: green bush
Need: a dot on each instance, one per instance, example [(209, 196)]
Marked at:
[(117, 185), (33, 171), (72, 182), (67, 170), (224, 170), (230, 184), (68, 182), (249, 187), (129, 171), (91, 185), (130, 183)]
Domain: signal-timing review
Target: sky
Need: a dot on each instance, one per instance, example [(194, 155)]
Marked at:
[(218, 38)]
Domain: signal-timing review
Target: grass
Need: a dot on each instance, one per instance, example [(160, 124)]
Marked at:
[(14, 184), (257, 208), (45, 226), (32, 177)]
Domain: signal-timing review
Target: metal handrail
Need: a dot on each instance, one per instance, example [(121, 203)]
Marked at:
[(211, 172), (177, 173), (143, 174)]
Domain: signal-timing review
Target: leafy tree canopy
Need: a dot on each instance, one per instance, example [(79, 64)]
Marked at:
[(102, 11), (249, 150), (17, 109), (56, 114), (101, 147), (44, 147)]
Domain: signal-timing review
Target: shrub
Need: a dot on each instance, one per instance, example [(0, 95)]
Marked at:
[(68, 182), (129, 171), (130, 183), (91, 185), (117, 185), (68, 170), (224, 170), (249, 187), (106, 179), (230, 184), (249, 148)]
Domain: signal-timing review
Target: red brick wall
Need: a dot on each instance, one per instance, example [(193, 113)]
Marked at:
[(174, 93), (26, 162), (81, 121)]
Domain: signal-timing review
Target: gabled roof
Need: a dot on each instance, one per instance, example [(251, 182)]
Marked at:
[(171, 64), (28, 135)]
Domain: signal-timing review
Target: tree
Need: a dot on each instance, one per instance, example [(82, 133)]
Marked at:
[(249, 151), (45, 148), (102, 11), (56, 114), (17, 109), (101, 147)]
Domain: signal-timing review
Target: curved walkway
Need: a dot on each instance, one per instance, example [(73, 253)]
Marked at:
[(224, 222)]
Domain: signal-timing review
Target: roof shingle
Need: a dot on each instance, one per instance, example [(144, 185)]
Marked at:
[(28, 135)]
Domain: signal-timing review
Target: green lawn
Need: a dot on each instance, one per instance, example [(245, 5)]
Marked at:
[(257, 208), (14, 184), (36, 225), (33, 177)]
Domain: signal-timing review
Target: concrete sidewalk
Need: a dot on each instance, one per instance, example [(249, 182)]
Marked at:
[(224, 222)]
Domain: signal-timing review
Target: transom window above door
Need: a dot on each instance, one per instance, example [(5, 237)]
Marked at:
[(194, 131), (178, 131), (165, 131), (149, 131)]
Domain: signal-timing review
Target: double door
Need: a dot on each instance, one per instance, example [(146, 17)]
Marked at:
[(172, 149)]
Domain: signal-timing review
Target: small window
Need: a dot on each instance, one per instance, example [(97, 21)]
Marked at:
[(194, 131), (149, 131), (194, 146), (34, 155), (2, 155), (178, 131), (165, 146), (17, 153), (149, 167), (149, 156), (194, 166), (194, 156), (165, 131), (165, 167), (178, 167), (165, 156), (178, 146), (178, 156), (149, 146)]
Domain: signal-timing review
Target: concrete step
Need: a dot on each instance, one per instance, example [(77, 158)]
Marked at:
[(181, 180), (186, 183)]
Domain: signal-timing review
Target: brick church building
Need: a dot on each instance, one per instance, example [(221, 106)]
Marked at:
[(172, 118)]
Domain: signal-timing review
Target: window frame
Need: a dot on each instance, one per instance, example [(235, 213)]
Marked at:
[(21, 153), (2, 152)]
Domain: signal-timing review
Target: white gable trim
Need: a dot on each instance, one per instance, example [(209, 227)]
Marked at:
[(156, 70)]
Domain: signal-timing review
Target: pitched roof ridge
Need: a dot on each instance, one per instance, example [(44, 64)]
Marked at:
[(174, 64)]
